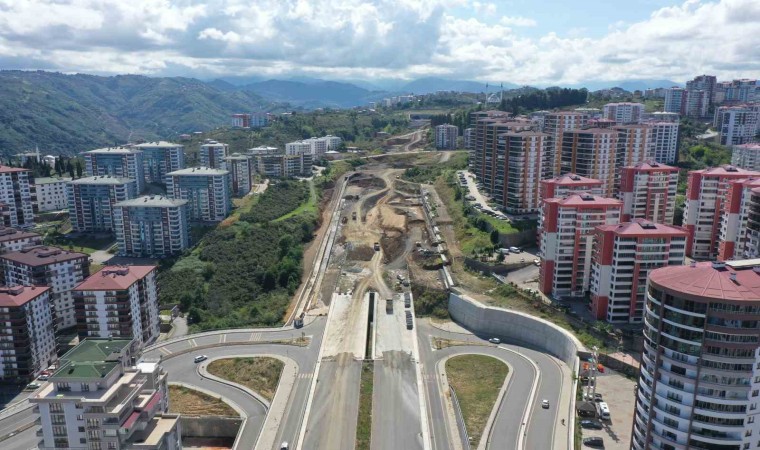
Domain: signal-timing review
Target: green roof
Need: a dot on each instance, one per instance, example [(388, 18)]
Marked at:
[(91, 358), (84, 370)]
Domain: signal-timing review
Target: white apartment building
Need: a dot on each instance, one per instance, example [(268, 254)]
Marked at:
[(100, 398), (161, 158), (746, 156), (737, 124), (58, 269), (119, 162), (208, 192), (648, 191), (17, 195), (624, 112), (664, 148), (28, 340), (152, 227), (623, 256), (446, 137), (567, 227), (120, 302), (91, 201), (212, 155), (700, 368), (564, 185), (13, 240), (51, 193), (242, 169)]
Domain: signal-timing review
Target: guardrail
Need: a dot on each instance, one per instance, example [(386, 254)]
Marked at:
[(460, 419)]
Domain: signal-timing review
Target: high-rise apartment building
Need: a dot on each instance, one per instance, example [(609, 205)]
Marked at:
[(469, 138), (208, 192), (692, 103), (635, 144), (705, 198), (700, 368), (746, 156), (160, 158), (241, 168), (734, 218), (648, 191), (27, 333), (18, 195), (212, 155), (446, 137), (51, 193), (567, 227), (555, 125), (591, 153), (737, 124), (525, 162), (623, 255), (282, 166), (564, 185), (664, 148), (151, 227), (118, 162), (58, 269), (752, 242), (91, 201), (101, 398), (706, 83), (737, 91), (119, 302), (13, 240), (624, 112)]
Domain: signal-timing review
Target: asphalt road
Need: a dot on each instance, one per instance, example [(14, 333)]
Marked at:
[(395, 404)]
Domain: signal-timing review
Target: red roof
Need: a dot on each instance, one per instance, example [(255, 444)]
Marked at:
[(573, 179), (42, 255), (114, 278), (131, 419), (643, 227), (19, 295), (585, 199), (8, 169), (707, 282), (12, 234), (728, 170), (652, 166)]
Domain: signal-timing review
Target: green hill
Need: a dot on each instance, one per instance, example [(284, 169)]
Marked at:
[(66, 114)]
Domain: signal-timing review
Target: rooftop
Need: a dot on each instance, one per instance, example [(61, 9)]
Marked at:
[(101, 179), (152, 201), (158, 144), (573, 179), (238, 157), (19, 295), (50, 180), (593, 131), (114, 278), (112, 151), (41, 255), (584, 199), (97, 350), (728, 170), (652, 166), (12, 234), (750, 146), (707, 280), (8, 169), (642, 227), (199, 171)]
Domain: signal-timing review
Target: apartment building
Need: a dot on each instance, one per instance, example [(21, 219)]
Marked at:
[(623, 256), (212, 154), (734, 218), (101, 398), (13, 240), (564, 185), (737, 124), (208, 192), (523, 161), (591, 153), (446, 137), (259, 119), (746, 156), (752, 242), (91, 201), (119, 302), (700, 368), (160, 158), (241, 120), (468, 137), (263, 150), (61, 270), (17, 194), (27, 340), (491, 164), (706, 83), (476, 137), (51, 193), (567, 227), (624, 112), (635, 144), (298, 148), (664, 139), (705, 198), (692, 103), (555, 125), (242, 170), (736, 91), (118, 162), (152, 227), (648, 191)]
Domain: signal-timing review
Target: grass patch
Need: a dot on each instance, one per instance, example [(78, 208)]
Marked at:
[(260, 374), (476, 379), (307, 207), (364, 422), (195, 403), (83, 243)]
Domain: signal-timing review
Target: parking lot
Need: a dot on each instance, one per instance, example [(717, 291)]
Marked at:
[(618, 392)]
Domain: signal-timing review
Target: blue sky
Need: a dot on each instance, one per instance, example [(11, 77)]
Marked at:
[(535, 42)]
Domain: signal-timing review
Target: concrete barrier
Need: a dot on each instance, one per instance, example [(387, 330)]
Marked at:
[(210, 426), (516, 327)]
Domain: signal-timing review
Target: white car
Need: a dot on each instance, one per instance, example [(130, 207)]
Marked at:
[(284, 446), (495, 341), (545, 404), (200, 358)]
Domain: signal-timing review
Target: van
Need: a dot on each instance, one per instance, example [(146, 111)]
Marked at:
[(604, 411)]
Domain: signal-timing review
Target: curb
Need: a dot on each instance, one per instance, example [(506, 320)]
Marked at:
[(488, 429), (193, 387)]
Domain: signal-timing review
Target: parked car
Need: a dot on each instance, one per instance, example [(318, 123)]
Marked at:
[(591, 424), (43, 377), (495, 340), (32, 386), (594, 442), (545, 404), (597, 397), (200, 358)]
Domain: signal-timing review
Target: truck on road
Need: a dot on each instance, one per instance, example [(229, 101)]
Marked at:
[(389, 306)]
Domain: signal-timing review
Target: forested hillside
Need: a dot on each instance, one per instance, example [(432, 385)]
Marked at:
[(65, 114)]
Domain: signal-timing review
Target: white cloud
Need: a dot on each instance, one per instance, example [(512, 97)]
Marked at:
[(372, 38)]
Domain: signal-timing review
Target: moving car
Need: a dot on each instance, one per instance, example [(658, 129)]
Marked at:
[(545, 404), (594, 442), (32, 386), (284, 446), (591, 424), (200, 358), (495, 340)]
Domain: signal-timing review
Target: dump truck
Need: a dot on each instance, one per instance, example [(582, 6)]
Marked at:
[(389, 306)]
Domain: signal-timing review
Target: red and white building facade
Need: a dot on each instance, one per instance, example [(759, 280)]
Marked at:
[(733, 221), (752, 243), (591, 152), (648, 191), (705, 197), (564, 185), (567, 227), (623, 256)]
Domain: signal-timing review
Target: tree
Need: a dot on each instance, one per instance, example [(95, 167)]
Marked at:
[(495, 237), (79, 169)]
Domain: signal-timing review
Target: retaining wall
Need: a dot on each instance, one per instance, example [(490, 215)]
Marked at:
[(514, 326), (210, 426)]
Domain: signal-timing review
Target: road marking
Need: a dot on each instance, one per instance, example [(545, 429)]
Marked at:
[(224, 338), (193, 343), (304, 376), (164, 350), (255, 336)]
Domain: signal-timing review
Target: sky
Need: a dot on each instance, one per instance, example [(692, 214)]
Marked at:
[(513, 41)]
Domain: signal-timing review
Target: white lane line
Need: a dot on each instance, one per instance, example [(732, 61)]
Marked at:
[(165, 351), (193, 343)]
